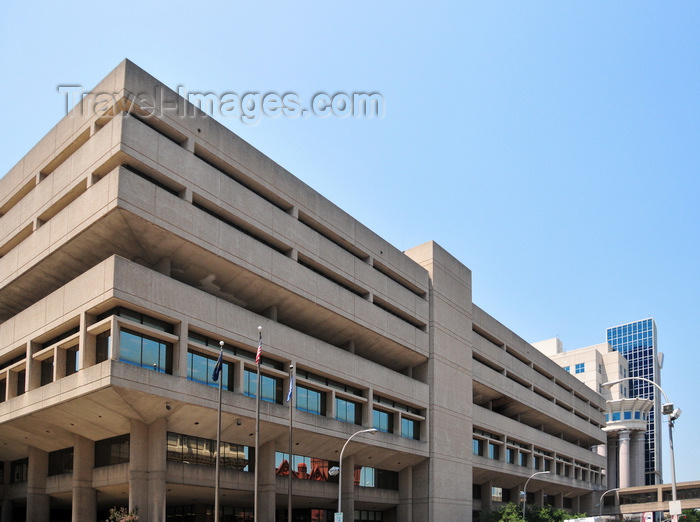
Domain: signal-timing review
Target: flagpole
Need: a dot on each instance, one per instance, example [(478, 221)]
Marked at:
[(258, 356), (218, 436), (291, 409)]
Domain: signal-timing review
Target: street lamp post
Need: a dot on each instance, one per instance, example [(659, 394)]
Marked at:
[(339, 470), (525, 488), (600, 504), (673, 414)]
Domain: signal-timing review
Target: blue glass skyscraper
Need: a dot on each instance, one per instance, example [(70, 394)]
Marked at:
[(637, 342)]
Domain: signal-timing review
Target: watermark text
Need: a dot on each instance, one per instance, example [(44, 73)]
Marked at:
[(249, 107)]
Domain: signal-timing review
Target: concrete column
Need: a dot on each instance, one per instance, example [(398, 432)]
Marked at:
[(116, 333), (612, 476), (38, 507), (138, 469), (404, 510), (515, 495), (624, 459), (450, 334), (348, 494), (84, 496), (637, 459), (6, 514), (157, 469), (180, 349), (87, 344), (266, 484), (330, 405), (421, 506), (487, 495), (368, 409), (59, 363), (558, 500), (539, 497), (33, 374)]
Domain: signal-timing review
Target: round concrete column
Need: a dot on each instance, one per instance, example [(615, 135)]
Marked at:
[(624, 459)]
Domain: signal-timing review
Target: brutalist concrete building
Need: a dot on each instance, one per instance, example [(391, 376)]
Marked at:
[(140, 233)]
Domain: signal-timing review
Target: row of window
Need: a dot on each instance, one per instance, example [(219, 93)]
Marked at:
[(499, 494), (311, 468), (625, 415), (146, 351), (579, 368), (520, 455), (199, 451)]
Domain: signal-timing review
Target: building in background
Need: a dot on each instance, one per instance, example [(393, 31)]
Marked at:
[(626, 418), (637, 341), (140, 233)]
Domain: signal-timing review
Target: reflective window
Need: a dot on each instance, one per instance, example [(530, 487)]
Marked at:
[(114, 450), (202, 452), (19, 470), (61, 461), (200, 368), (494, 452), (383, 421), (348, 411), (410, 428), (270, 387), (146, 352), (310, 400)]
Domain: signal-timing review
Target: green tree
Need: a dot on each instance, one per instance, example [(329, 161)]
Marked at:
[(512, 513), (689, 515)]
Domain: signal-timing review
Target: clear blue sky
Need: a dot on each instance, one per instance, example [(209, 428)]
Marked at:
[(552, 147)]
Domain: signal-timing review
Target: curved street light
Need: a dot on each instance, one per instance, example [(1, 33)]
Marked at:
[(673, 414), (600, 503), (338, 471), (525, 488)]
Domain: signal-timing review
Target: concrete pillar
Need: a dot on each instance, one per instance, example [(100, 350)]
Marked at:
[(33, 374), (348, 493), (612, 476), (404, 510), (421, 506), (266, 483), (515, 495), (368, 409), (116, 334), (38, 507), (624, 458), (84, 496), (450, 339), (487, 495), (539, 497), (87, 344), (6, 514), (157, 469), (558, 500), (180, 349), (637, 459), (138, 469)]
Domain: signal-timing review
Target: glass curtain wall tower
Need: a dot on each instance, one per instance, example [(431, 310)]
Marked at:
[(637, 342)]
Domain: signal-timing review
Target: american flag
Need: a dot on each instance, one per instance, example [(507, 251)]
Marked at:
[(258, 355)]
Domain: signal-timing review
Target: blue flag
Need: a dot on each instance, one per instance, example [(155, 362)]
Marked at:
[(291, 388), (217, 367)]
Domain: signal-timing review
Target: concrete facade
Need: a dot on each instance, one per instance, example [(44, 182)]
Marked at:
[(139, 233)]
